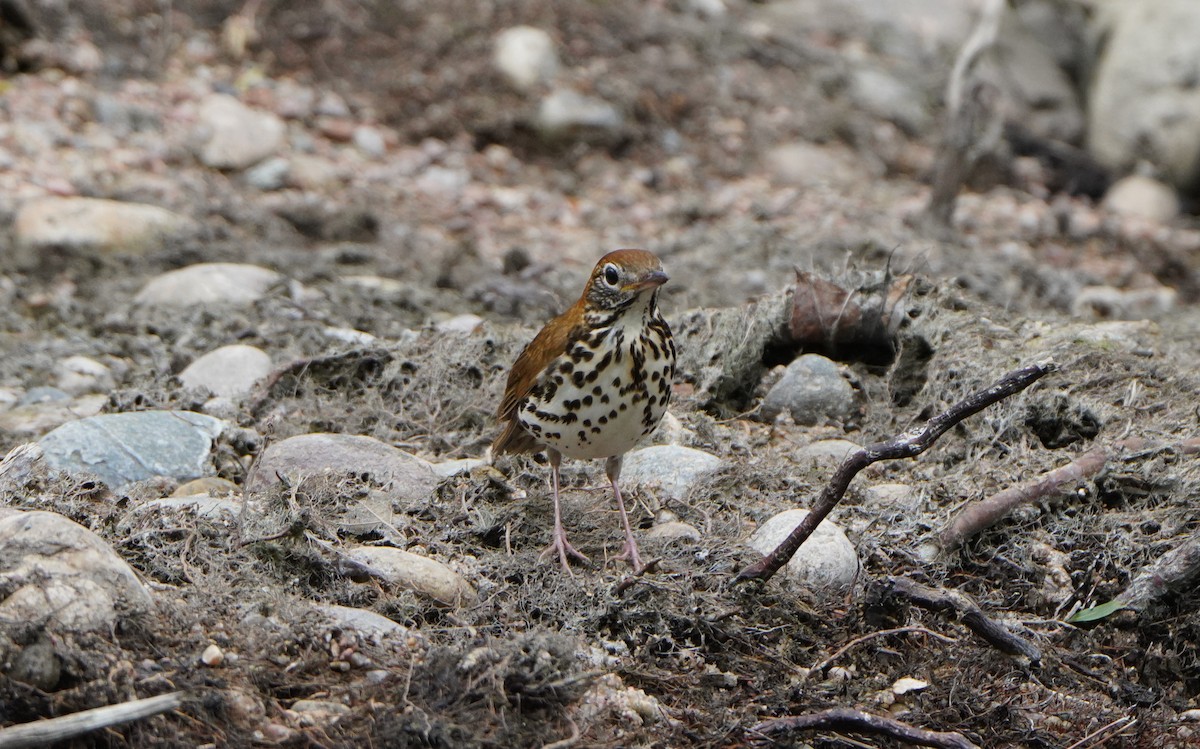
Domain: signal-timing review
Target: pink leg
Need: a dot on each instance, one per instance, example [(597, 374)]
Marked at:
[(613, 468), (559, 545)]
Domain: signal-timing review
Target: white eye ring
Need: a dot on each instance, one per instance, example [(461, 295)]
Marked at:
[(611, 275)]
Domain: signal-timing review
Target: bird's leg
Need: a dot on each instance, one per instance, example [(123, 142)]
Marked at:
[(630, 553), (566, 552)]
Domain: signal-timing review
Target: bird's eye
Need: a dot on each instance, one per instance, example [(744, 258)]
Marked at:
[(611, 276)]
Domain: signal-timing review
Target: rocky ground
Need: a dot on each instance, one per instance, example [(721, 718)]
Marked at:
[(265, 266)]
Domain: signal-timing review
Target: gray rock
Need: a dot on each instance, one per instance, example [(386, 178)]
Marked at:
[(370, 141), (56, 574), (525, 56), (826, 560), (568, 111), (234, 136), (891, 98), (271, 174), (128, 447), (417, 573), (403, 476), (827, 452), (674, 530), (1144, 103), (42, 416), (230, 284), (671, 469), (813, 389), (229, 371), (80, 374), (93, 225), (1109, 303), (1142, 197), (361, 620), (43, 394)]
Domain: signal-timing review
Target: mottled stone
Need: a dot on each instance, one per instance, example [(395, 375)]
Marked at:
[(826, 560)]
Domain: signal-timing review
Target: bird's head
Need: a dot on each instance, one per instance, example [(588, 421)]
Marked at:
[(621, 277)]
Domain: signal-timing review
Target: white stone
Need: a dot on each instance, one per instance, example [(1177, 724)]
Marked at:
[(79, 374), (465, 324), (94, 225), (670, 469), (59, 575), (827, 452), (418, 573), (230, 371), (826, 560), (361, 620), (235, 136), (401, 475), (566, 110), (231, 284), (1142, 197), (447, 468), (525, 56)]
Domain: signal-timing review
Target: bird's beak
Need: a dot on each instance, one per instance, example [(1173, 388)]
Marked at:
[(652, 279)]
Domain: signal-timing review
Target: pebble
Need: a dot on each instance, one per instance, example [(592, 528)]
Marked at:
[(94, 225), (465, 324), (813, 390), (206, 486), (1109, 303), (361, 620), (370, 141), (417, 573), (889, 97), (37, 665), (566, 110), (271, 174), (126, 447), (234, 136), (318, 712), (1136, 196), (227, 284), (40, 417), (404, 476), (80, 374), (674, 530), (525, 56), (671, 469), (229, 372), (448, 468), (826, 452), (826, 560), (212, 656), (63, 577)]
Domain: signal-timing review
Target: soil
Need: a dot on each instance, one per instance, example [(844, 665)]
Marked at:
[(545, 658)]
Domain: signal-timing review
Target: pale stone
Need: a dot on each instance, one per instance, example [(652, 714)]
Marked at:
[(230, 371), (94, 225), (525, 56), (230, 284), (235, 136), (418, 573), (826, 560)]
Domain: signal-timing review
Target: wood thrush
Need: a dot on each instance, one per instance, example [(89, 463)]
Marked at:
[(594, 381)]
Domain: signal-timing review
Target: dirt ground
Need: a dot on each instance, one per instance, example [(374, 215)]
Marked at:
[(546, 659)]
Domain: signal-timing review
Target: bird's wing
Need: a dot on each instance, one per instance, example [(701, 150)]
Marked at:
[(551, 341)]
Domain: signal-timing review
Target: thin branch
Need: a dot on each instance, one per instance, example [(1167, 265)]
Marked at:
[(981, 515), (1113, 729), (871, 636), (50, 730), (992, 631), (907, 445), (845, 719)]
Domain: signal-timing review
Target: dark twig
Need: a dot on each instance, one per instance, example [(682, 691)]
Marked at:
[(845, 719), (871, 636), (907, 445), (995, 633)]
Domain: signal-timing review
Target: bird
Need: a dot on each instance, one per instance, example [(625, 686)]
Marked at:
[(594, 381)]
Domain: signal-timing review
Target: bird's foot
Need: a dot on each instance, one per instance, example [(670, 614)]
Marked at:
[(630, 554), (565, 552)]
